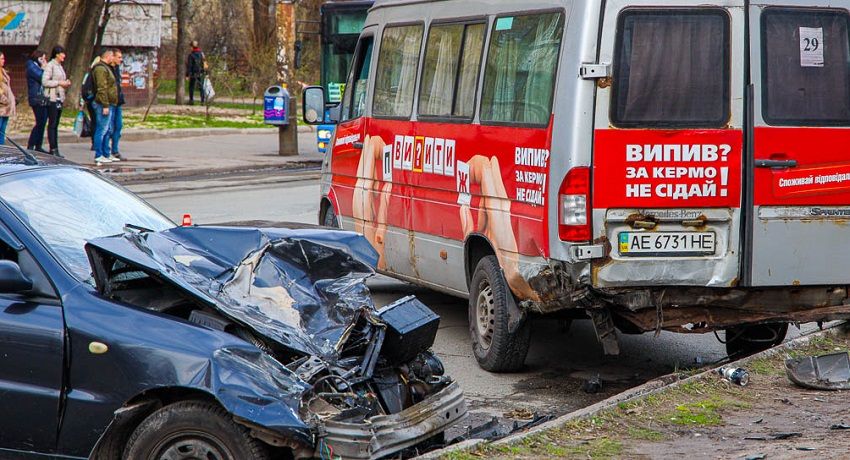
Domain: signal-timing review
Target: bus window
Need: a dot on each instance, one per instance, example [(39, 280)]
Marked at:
[(519, 79), (354, 102), (398, 61), (672, 69), (341, 28), (806, 93), (470, 65), (450, 71)]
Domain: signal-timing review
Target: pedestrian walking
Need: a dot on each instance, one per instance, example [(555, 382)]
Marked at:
[(7, 99), (118, 111), (37, 100), (55, 82), (196, 70), (105, 101)]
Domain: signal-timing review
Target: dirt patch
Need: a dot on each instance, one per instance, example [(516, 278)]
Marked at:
[(707, 418)]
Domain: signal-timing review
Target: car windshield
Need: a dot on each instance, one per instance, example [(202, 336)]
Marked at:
[(67, 207)]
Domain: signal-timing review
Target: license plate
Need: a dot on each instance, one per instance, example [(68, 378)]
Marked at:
[(667, 244)]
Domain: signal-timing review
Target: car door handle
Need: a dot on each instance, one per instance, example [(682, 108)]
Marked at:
[(777, 164), (357, 145)]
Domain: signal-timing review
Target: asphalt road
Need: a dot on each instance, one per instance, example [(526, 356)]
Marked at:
[(560, 360)]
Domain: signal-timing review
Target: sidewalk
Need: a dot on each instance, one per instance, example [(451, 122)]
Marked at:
[(169, 153), (703, 416)]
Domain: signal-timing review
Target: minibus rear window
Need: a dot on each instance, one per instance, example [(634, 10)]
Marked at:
[(671, 69), (398, 62), (519, 77), (806, 62)]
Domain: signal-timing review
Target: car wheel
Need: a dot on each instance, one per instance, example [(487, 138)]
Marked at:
[(192, 430), (746, 340), (329, 219), (494, 346)]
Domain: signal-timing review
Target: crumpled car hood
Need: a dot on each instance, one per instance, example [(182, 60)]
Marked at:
[(300, 288)]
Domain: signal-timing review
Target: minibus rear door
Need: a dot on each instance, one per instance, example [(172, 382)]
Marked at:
[(800, 54), (668, 144)]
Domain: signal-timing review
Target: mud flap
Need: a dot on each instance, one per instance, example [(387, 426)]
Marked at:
[(516, 316), (603, 324)]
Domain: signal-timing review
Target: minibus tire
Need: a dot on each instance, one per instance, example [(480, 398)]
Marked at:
[(496, 349), (752, 338)]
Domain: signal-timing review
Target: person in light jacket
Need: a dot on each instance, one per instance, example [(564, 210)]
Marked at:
[(7, 99), (37, 99), (55, 82)]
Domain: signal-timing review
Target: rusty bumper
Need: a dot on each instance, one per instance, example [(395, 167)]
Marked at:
[(386, 434)]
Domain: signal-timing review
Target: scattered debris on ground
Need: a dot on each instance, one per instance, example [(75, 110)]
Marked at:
[(708, 417)]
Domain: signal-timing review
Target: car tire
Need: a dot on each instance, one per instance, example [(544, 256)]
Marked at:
[(329, 219), (494, 346), (750, 339), (192, 429)]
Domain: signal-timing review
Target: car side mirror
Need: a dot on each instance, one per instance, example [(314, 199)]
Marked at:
[(12, 279), (314, 105)]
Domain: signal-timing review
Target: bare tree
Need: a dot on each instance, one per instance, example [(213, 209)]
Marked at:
[(182, 12), (263, 21), (61, 20), (73, 23)]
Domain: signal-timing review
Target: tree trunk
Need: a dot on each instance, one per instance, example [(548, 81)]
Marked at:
[(101, 28), (61, 20), (72, 24), (81, 47), (182, 12), (263, 21)]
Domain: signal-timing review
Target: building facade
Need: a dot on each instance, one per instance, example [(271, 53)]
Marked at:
[(136, 27)]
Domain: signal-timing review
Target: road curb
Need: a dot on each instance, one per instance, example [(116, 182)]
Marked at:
[(134, 135), (647, 389), (136, 177)]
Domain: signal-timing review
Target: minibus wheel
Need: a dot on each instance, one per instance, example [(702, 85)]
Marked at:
[(494, 346), (749, 339)]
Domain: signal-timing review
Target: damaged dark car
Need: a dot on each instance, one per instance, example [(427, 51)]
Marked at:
[(123, 336)]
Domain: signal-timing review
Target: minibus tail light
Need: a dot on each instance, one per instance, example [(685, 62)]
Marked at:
[(574, 206)]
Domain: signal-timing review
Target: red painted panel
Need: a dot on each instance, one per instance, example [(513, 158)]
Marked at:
[(449, 179), (667, 168), (822, 175)]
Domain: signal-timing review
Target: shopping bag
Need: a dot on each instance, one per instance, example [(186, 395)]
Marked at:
[(209, 91), (82, 125), (79, 123)]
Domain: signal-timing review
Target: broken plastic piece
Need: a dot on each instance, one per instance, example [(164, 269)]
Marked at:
[(825, 372), (592, 385), (738, 376)]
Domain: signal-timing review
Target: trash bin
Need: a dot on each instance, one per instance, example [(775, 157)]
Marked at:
[(276, 106)]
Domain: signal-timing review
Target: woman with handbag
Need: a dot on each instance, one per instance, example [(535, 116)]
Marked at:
[(7, 99), (37, 100), (55, 82)]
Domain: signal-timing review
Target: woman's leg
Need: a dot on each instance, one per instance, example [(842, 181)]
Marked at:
[(53, 113), (36, 140)]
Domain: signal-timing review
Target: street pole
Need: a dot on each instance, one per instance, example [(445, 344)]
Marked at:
[(285, 31)]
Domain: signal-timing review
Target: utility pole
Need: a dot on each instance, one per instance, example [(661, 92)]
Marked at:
[(285, 31)]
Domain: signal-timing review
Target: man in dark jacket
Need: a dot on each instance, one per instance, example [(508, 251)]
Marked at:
[(196, 67), (105, 101), (117, 113)]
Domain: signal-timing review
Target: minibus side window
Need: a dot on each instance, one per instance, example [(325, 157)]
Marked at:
[(519, 77), (450, 70), (671, 69), (354, 102), (398, 62), (806, 62)]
